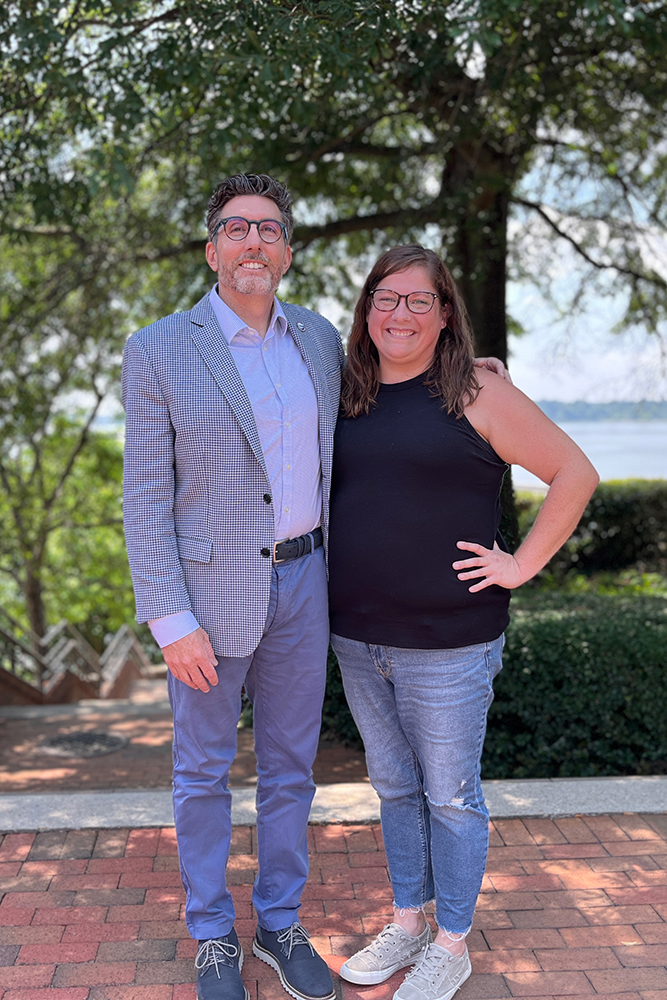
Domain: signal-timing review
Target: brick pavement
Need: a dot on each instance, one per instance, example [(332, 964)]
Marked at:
[(146, 760), (144, 763), (570, 908)]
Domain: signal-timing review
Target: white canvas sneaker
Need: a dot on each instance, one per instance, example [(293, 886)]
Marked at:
[(437, 975), (392, 949)]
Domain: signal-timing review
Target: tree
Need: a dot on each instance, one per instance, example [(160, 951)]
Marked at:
[(392, 120), (62, 533), (388, 119)]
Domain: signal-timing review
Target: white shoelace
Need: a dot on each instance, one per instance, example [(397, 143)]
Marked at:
[(215, 952), (384, 942), (292, 936), (430, 968)]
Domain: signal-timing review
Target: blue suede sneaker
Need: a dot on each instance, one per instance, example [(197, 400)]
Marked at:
[(303, 974), (218, 963)]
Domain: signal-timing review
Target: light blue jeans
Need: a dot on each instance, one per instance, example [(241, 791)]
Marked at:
[(422, 716), (285, 679)]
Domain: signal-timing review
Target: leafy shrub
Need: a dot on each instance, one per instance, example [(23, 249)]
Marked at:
[(582, 690), (337, 721), (624, 524)]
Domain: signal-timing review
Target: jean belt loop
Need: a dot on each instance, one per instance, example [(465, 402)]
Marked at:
[(312, 542)]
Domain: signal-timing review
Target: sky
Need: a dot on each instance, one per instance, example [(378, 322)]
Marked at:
[(579, 356), (583, 360)]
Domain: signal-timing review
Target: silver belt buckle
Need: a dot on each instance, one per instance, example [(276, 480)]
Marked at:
[(275, 545)]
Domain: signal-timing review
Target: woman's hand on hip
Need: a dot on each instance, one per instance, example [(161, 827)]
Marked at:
[(494, 566)]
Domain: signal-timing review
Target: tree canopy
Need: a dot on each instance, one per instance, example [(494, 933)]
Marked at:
[(389, 121)]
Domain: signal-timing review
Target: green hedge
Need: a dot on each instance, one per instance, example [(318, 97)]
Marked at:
[(624, 524), (337, 721), (582, 690)]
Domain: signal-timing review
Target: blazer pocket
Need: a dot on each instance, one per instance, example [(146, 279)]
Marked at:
[(197, 549)]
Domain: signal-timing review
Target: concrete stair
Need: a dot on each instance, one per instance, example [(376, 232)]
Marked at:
[(62, 666)]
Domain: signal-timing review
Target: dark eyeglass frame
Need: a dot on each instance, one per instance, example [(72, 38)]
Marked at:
[(249, 223), (417, 312)]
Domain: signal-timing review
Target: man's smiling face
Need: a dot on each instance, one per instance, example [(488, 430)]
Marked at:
[(249, 266)]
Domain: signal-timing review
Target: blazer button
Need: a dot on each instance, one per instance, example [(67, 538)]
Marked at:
[(267, 498), (265, 552)]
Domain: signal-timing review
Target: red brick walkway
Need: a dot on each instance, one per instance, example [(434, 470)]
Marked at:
[(144, 763), (569, 908)]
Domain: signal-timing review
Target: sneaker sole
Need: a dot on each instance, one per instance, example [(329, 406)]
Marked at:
[(266, 956), (381, 976), (247, 995)]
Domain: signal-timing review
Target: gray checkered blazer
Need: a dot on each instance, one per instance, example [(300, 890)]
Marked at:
[(195, 477)]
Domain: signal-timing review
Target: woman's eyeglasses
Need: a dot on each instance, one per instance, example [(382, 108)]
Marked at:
[(417, 302)]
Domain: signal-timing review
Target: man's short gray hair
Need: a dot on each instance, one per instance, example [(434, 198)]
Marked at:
[(242, 184)]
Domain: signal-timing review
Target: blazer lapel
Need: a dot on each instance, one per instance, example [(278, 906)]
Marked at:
[(214, 349)]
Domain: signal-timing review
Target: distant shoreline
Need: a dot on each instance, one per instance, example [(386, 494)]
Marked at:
[(556, 410), (563, 412)]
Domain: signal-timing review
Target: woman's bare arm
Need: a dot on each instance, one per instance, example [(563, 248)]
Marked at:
[(521, 434)]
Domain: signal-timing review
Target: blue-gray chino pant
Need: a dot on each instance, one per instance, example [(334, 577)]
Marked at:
[(284, 679)]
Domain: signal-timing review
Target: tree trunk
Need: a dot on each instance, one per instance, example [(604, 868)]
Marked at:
[(476, 184), (476, 187), (32, 590)]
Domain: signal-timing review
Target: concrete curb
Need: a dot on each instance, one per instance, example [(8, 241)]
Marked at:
[(343, 803)]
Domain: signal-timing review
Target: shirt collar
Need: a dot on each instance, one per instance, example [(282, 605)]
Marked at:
[(231, 324)]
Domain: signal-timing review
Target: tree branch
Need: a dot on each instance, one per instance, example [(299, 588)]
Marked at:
[(304, 235), (652, 278), (163, 254), (55, 233), (83, 437), (168, 16), (15, 511), (333, 145), (368, 149)]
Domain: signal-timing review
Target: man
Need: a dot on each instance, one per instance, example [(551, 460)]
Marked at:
[(231, 409), (230, 416)]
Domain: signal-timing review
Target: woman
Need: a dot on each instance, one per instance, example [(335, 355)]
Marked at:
[(419, 591)]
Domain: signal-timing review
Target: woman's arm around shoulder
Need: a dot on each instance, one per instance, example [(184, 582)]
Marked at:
[(521, 434)]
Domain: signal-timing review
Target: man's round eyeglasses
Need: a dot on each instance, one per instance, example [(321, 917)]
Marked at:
[(417, 302), (236, 228)]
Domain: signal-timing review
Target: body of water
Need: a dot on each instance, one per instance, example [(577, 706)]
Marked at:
[(619, 449)]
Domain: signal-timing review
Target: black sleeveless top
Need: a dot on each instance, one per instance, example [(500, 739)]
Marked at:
[(409, 481)]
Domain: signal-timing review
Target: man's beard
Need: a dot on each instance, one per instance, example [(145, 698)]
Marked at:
[(262, 282)]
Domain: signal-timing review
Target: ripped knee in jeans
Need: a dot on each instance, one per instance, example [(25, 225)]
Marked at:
[(459, 800)]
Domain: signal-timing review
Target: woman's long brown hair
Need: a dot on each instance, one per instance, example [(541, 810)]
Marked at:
[(451, 375)]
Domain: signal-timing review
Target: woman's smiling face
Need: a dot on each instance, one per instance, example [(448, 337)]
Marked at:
[(405, 341)]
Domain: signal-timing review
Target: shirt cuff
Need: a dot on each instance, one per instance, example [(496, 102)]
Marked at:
[(171, 628)]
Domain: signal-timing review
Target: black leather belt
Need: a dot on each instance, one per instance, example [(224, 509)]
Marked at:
[(295, 547)]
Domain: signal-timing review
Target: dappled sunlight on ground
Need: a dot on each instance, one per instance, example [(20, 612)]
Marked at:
[(145, 762)]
